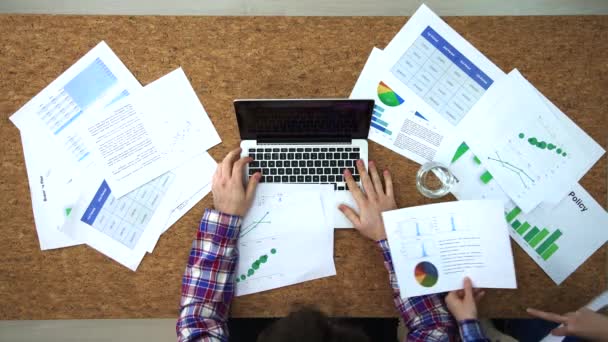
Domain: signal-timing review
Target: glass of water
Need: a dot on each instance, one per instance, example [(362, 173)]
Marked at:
[(434, 180)]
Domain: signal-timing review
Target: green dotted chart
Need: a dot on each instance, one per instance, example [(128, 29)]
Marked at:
[(543, 145), (255, 266)]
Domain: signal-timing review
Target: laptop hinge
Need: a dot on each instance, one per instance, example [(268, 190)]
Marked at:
[(308, 140)]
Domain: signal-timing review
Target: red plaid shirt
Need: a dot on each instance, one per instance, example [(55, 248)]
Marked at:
[(208, 288)]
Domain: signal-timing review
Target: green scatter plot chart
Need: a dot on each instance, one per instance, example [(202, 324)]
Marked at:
[(255, 266), (426, 274), (543, 145), (388, 96)]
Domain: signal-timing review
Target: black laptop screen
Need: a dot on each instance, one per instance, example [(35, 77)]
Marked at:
[(303, 120)]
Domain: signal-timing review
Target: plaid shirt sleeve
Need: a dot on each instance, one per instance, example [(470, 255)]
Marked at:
[(426, 317), (208, 282), (470, 331)]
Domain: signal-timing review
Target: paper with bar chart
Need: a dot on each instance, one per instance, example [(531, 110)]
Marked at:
[(96, 80), (285, 238), (435, 246), (400, 121), (526, 148), (559, 238)]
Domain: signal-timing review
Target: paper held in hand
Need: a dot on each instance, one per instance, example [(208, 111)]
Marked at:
[(435, 246)]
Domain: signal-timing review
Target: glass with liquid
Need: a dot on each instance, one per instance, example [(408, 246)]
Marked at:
[(434, 180)]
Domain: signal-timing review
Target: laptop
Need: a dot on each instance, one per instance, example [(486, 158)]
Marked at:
[(306, 142)]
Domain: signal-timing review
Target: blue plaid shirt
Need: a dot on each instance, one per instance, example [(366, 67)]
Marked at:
[(208, 288)]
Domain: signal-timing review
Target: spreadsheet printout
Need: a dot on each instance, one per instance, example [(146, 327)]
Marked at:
[(440, 67), (442, 76)]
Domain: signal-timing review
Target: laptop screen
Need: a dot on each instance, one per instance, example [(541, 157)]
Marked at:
[(303, 120)]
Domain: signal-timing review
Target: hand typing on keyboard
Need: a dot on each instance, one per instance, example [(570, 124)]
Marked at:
[(229, 194), (372, 203), (312, 165)]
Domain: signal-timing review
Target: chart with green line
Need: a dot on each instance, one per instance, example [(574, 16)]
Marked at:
[(557, 237), (255, 224)]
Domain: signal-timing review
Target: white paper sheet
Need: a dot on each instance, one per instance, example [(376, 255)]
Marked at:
[(51, 192), (579, 219), (96, 80), (410, 128), (566, 234), (435, 246), (121, 228), (285, 239), (440, 67), (192, 183), (150, 132), (524, 145)]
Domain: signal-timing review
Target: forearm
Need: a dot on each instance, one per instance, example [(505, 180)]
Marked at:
[(426, 317), (208, 282)]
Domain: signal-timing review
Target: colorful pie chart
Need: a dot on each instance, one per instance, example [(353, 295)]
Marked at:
[(426, 274), (388, 96)]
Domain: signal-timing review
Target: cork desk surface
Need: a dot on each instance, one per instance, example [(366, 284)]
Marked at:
[(270, 57)]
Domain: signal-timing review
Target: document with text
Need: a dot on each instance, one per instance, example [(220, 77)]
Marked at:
[(150, 132), (435, 246)]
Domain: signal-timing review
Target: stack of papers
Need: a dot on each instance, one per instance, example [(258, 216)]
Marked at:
[(440, 99), (286, 238), (111, 163)]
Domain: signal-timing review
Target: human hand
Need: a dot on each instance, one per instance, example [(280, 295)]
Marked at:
[(582, 323), (229, 194), (372, 203), (463, 303)]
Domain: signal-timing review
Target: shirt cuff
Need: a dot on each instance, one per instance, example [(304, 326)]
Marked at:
[(386, 251), (220, 224), (470, 330)]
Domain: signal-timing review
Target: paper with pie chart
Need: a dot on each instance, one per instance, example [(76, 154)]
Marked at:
[(435, 246), (400, 121)]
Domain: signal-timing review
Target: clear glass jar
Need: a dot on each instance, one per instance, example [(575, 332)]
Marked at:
[(437, 184)]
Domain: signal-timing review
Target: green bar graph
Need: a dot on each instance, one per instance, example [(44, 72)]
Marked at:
[(531, 234), (511, 215), (515, 224), (549, 252), (539, 237), (550, 240), (522, 229), (486, 177)]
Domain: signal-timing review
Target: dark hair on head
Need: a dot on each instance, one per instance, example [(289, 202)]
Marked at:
[(310, 325)]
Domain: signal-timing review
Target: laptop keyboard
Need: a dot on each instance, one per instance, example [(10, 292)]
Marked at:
[(306, 165)]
